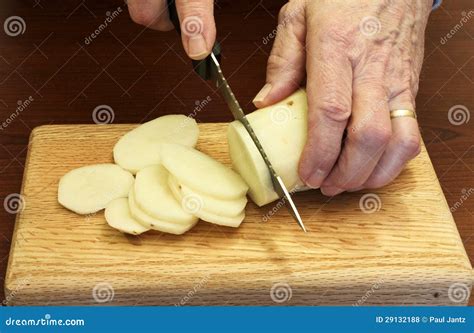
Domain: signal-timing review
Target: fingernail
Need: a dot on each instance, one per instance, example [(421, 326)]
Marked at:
[(331, 191), (315, 179), (262, 94), (197, 47)]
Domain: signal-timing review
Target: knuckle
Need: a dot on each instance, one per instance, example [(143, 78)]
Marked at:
[(279, 63), (289, 13), (336, 34), (276, 61), (402, 93), (381, 56), (195, 8), (142, 15), (409, 145), (373, 136), (283, 13), (346, 183), (352, 184), (323, 151), (146, 17), (378, 181), (333, 108)]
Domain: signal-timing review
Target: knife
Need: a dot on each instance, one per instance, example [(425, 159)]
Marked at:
[(210, 69)]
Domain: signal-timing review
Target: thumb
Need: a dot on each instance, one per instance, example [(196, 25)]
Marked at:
[(198, 29), (286, 64)]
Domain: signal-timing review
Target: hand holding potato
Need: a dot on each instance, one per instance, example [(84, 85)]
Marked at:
[(361, 59)]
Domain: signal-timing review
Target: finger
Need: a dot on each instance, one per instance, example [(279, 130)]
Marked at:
[(403, 146), (329, 88), (286, 64), (368, 135), (150, 13), (198, 29)]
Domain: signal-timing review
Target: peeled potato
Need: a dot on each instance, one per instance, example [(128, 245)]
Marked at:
[(139, 148), (201, 173), (118, 216), (227, 221), (149, 222), (193, 202), (282, 131), (89, 189), (154, 197)]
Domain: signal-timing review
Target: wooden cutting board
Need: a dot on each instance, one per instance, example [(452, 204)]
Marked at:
[(402, 249)]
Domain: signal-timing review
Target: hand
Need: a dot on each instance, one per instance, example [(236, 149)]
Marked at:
[(198, 29), (362, 58)]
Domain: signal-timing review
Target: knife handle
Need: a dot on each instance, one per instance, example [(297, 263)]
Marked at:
[(201, 67)]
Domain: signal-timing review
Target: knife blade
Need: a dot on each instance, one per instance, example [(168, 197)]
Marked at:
[(226, 92)]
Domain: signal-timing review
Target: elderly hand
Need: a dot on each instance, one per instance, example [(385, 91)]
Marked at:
[(198, 29), (361, 59)]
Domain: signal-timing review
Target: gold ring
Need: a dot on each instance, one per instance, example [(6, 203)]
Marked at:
[(402, 113)]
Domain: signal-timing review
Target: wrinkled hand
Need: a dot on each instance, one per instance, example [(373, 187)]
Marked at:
[(361, 59), (198, 29)]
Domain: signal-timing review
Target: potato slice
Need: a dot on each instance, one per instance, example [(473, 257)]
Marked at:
[(152, 223), (226, 221), (282, 131), (193, 202), (154, 197), (139, 148), (118, 216), (201, 173), (89, 189)]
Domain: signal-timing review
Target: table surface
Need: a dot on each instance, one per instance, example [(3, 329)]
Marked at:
[(141, 74)]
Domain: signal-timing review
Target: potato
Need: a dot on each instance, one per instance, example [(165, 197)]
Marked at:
[(227, 221), (155, 224), (154, 197), (193, 202), (201, 173), (118, 216), (139, 148), (282, 131), (91, 188)]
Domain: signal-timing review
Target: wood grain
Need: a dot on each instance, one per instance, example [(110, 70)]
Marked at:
[(407, 252)]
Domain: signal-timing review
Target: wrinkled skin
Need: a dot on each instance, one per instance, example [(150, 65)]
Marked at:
[(359, 59)]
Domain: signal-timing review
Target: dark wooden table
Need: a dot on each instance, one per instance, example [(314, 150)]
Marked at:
[(142, 74)]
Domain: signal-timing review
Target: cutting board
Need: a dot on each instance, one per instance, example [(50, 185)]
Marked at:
[(396, 245)]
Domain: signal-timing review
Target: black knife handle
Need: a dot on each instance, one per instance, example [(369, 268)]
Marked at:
[(201, 67)]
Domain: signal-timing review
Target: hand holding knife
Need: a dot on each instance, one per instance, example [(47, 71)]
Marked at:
[(209, 69)]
